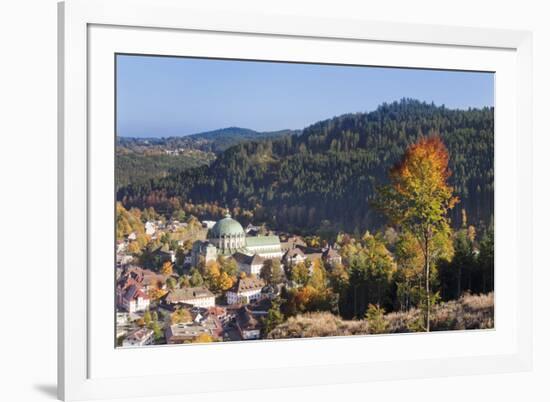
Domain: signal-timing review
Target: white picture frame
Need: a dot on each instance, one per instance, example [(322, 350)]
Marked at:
[(91, 31)]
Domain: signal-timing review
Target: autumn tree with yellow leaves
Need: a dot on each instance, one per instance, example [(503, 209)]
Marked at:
[(203, 338), (215, 278), (181, 315), (418, 198), (167, 268)]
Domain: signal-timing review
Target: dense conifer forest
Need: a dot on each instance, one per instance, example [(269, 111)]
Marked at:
[(323, 179)]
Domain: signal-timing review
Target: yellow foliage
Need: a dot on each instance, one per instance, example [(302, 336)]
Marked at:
[(318, 275), (156, 294), (203, 338), (212, 269), (304, 296), (224, 281), (167, 268), (134, 248), (180, 316), (300, 273)]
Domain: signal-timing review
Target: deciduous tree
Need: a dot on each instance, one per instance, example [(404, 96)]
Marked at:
[(155, 293), (196, 278), (224, 281), (181, 315), (274, 317), (203, 338), (212, 275), (271, 272), (299, 274), (171, 283), (318, 279), (418, 198), (167, 268)]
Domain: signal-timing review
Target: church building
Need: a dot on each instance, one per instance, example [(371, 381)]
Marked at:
[(227, 238)]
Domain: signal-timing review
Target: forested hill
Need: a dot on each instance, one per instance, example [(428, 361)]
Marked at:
[(325, 178)]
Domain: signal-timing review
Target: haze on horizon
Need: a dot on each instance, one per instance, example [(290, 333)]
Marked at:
[(177, 96)]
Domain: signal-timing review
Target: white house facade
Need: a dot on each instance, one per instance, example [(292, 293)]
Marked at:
[(198, 297), (250, 264), (249, 326), (133, 299), (150, 228), (294, 256), (245, 291)]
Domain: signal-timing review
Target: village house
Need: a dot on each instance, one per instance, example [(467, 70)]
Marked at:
[(150, 228), (188, 332), (123, 259), (250, 264), (252, 230), (220, 313), (245, 290), (121, 246), (204, 250), (294, 256), (132, 298), (249, 326), (331, 256), (271, 291), (139, 337), (208, 224), (312, 256), (122, 318), (159, 224), (175, 225), (198, 297), (145, 278), (122, 323), (165, 254), (293, 242)]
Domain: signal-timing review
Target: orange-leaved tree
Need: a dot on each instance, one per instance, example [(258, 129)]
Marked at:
[(418, 199)]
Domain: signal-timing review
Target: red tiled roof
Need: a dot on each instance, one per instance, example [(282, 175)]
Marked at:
[(133, 292)]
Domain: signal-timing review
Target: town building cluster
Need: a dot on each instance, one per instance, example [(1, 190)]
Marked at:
[(186, 313)]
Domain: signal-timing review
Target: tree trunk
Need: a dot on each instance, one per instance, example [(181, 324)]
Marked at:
[(355, 301), (427, 256), (459, 285)]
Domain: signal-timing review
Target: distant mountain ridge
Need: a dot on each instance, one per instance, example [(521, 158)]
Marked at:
[(209, 141)]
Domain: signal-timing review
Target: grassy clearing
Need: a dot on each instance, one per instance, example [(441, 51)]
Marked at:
[(469, 312)]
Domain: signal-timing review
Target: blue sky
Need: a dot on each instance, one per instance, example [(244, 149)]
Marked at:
[(170, 96)]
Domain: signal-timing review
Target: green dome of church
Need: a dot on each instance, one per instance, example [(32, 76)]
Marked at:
[(226, 227)]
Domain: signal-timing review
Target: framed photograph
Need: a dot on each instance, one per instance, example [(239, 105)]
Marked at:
[(288, 200)]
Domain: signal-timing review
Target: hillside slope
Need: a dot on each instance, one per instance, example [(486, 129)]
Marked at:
[(325, 178), (469, 312)]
